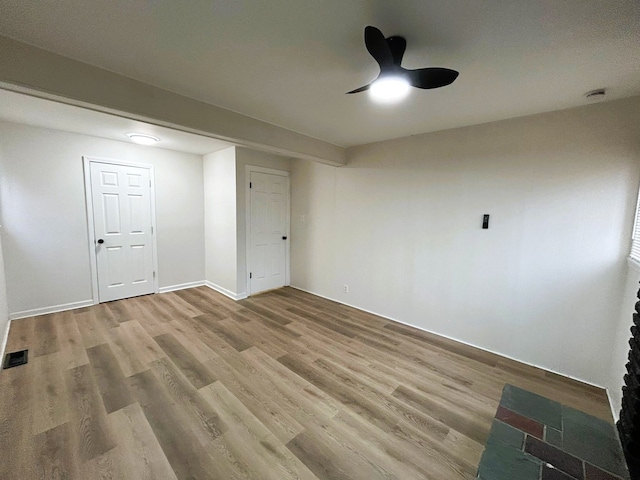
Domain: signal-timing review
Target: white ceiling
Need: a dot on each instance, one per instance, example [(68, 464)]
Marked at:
[(289, 62), (19, 108)]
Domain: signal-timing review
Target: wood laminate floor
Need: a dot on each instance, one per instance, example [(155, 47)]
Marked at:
[(192, 385)]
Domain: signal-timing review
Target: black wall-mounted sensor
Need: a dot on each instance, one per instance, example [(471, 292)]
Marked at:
[(485, 222)]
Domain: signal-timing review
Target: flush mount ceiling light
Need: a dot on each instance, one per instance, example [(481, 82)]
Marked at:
[(143, 138), (389, 89)]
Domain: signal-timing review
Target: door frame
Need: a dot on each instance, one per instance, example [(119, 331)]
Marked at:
[(247, 203), (88, 195)]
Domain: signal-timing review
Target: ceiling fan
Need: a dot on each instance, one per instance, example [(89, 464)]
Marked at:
[(394, 81)]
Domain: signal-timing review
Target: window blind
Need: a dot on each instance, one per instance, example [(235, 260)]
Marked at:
[(635, 239)]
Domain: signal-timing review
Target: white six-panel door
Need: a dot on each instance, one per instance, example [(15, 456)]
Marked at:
[(269, 198), (122, 217)]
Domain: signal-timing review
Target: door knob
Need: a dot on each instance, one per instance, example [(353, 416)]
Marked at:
[(100, 241), (284, 238)]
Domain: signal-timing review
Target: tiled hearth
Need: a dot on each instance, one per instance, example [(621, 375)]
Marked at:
[(534, 438)]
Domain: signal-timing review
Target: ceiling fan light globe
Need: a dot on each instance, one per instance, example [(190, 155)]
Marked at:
[(389, 89)]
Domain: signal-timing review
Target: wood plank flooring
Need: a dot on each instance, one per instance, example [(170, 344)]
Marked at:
[(192, 385)]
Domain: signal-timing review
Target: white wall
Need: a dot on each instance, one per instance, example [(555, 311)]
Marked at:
[(401, 225), (244, 157), (47, 74), (225, 215), (220, 220), (45, 222)]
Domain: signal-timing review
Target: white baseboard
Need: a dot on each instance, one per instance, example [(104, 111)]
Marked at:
[(5, 337), (181, 286), (454, 339), (224, 291), (52, 309)]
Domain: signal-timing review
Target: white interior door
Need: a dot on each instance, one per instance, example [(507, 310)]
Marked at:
[(269, 225), (122, 218)]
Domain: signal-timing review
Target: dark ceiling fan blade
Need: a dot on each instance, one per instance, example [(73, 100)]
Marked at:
[(432, 77), (378, 47), (358, 90), (397, 45), (388, 52)]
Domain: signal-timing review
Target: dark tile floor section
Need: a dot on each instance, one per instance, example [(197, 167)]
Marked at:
[(520, 422), (534, 438), (594, 473), (553, 436), (549, 473), (593, 446), (507, 434), (500, 461), (532, 406), (554, 456)]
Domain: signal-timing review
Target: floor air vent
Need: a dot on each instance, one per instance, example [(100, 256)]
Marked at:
[(15, 358)]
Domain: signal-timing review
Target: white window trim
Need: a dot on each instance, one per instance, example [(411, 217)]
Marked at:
[(635, 237)]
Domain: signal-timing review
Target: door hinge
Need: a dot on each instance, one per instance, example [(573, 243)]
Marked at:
[(149, 182), (154, 274), (250, 275), (151, 229), (250, 185)]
